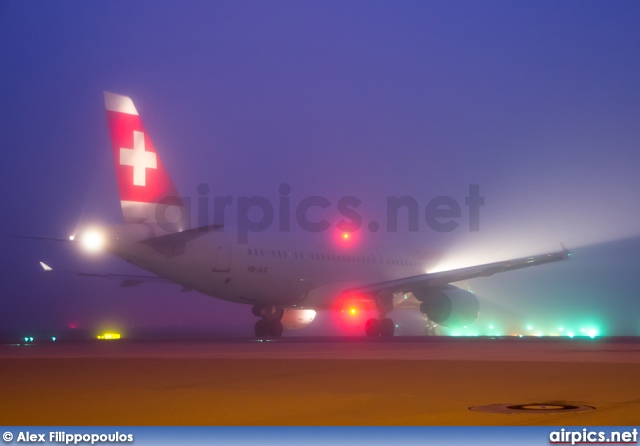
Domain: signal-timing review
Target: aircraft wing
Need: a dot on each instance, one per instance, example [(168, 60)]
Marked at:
[(432, 280)]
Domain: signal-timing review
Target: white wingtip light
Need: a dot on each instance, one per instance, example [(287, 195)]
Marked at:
[(45, 266)]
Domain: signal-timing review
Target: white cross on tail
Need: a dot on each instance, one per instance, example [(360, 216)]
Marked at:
[(139, 159)]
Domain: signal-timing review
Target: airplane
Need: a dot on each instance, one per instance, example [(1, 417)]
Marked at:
[(285, 279)]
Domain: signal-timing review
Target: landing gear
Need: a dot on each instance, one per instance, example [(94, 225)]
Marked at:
[(383, 326), (269, 325), (372, 327), (387, 327), (268, 329), (379, 327)]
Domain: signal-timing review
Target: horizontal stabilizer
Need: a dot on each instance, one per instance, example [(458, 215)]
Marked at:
[(127, 280)]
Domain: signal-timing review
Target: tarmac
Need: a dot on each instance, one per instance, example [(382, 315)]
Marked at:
[(403, 381)]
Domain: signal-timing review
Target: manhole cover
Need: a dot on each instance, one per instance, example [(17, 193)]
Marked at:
[(531, 407)]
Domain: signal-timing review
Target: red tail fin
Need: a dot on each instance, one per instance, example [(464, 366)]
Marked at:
[(147, 193)]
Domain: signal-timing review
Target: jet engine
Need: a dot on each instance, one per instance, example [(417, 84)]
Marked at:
[(448, 306)]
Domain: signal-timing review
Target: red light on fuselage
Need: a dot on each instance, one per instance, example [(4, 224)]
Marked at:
[(345, 239)]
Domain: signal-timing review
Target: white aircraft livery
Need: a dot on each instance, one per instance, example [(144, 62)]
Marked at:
[(285, 279)]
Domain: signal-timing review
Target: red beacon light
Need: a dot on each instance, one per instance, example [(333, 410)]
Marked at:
[(344, 238)]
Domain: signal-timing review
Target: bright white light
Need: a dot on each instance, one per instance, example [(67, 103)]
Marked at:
[(93, 240), (72, 237)]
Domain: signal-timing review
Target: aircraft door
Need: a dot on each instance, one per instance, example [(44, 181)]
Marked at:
[(222, 258)]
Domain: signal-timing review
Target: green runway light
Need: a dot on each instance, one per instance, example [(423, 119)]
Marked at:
[(53, 338), (30, 338), (26, 339), (529, 327)]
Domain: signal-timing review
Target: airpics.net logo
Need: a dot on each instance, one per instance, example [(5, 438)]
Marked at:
[(592, 436), (255, 214)]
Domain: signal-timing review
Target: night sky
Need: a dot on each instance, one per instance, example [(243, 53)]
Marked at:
[(538, 103)]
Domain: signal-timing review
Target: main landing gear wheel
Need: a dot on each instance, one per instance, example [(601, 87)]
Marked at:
[(268, 328), (387, 327), (261, 328), (375, 327), (269, 324), (275, 329), (372, 327)]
